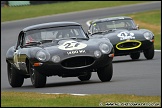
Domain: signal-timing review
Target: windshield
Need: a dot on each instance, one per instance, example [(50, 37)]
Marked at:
[(52, 34), (113, 24)]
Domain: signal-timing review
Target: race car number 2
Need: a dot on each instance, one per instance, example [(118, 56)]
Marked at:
[(72, 45)]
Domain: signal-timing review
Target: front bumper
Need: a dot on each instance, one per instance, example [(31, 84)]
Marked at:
[(74, 66), (138, 46)]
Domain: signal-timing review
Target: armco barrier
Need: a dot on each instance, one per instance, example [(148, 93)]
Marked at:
[(18, 3), (23, 3)]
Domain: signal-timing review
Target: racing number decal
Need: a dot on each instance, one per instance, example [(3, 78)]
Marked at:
[(72, 45), (126, 35)]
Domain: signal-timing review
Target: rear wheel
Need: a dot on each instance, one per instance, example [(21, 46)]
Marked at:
[(85, 77), (38, 80), (105, 73), (135, 56), (149, 53), (14, 77)]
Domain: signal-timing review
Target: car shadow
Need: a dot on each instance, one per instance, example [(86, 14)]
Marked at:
[(119, 61), (58, 84), (71, 83)]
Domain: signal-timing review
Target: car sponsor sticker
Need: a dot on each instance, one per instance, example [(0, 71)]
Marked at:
[(72, 45), (126, 35), (76, 52)]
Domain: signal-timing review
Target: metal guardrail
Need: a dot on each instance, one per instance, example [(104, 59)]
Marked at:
[(18, 3), (24, 3)]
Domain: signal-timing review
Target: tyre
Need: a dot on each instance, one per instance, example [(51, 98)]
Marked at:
[(85, 77), (105, 73), (38, 80), (149, 53), (135, 56), (14, 77)]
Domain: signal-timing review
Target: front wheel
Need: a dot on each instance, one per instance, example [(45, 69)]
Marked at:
[(15, 79), (38, 80), (105, 73), (149, 53), (85, 77), (135, 56)]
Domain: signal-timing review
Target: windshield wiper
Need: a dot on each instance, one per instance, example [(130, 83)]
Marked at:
[(109, 30), (83, 38), (99, 32), (38, 42), (73, 38), (46, 41), (78, 38), (32, 43), (59, 39)]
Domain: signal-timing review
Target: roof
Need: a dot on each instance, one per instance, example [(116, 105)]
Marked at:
[(51, 24), (110, 18)]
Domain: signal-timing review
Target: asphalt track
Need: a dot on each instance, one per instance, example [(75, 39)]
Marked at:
[(141, 77)]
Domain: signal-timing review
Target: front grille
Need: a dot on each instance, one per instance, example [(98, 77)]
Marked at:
[(127, 45), (77, 62)]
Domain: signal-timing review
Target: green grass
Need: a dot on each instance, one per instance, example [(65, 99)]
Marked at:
[(31, 99), (22, 12)]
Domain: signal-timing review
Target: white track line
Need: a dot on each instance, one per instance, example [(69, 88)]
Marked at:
[(158, 50), (67, 93)]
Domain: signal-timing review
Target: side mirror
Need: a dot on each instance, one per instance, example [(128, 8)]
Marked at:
[(137, 26), (89, 32)]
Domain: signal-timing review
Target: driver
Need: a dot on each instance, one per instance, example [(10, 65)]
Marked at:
[(65, 34), (33, 37)]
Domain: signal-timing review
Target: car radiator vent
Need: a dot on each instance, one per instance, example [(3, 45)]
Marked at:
[(127, 45), (77, 62)]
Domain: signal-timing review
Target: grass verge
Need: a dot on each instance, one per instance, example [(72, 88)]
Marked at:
[(31, 99), (22, 12)]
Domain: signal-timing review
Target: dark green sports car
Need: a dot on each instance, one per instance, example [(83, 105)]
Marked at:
[(58, 48), (125, 36)]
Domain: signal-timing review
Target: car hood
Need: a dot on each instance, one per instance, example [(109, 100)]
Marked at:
[(76, 47), (123, 35), (71, 44)]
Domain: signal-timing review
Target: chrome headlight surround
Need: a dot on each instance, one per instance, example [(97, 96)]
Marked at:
[(105, 48), (42, 55), (56, 59), (148, 35), (97, 54)]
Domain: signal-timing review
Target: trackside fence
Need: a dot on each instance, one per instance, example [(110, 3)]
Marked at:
[(25, 3)]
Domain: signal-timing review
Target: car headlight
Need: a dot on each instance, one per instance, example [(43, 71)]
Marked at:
[(148, 35), (42, 55), (97, 54), (104, 48), (56, 59)]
